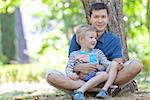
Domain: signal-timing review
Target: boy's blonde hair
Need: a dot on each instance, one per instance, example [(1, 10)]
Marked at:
[(81, 31)]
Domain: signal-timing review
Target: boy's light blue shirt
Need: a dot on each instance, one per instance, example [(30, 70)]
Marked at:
[(92, 57)]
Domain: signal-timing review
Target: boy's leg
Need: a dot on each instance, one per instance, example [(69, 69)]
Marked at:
[(99, 78), (111, 78), (128, 72), (59, 80), (112, 75)]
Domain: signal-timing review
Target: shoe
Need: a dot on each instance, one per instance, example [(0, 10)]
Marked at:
[(102, 94), (113, 91), (78, 95)]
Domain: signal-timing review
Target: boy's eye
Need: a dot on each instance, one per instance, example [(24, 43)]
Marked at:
[(91, 37), (95, 16)]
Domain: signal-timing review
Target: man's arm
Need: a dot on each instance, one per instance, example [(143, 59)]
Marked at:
[(85, 68), (119, 60)]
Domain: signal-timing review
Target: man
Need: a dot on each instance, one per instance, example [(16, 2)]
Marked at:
[(108, 43)]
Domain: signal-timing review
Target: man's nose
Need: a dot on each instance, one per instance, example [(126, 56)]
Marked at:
[(99, 19)]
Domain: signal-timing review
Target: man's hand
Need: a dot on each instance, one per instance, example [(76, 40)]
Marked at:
[(85, 68), (74, 76), (100, 67)]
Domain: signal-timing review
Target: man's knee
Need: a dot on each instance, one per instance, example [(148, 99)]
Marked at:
[(137, 67), (51, 78)]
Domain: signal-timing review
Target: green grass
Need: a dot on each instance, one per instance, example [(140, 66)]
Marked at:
[(143, 81), (36, 72)]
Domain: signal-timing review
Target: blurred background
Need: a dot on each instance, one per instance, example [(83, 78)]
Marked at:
[(35, 36)]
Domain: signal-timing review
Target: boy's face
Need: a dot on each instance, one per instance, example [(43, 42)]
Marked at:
[(99, 19), (89, 41)]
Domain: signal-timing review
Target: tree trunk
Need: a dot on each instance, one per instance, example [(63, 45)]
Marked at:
[(8, 36), (116, 24), (147, 18), (21, 42)]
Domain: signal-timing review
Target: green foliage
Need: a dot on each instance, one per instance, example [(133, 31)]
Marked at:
[(146, 62), (138, 48), (56, 40), (134, 21), (8, 6), (135, 28), (66, 13)]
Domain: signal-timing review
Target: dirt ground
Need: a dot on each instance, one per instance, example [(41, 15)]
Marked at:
[(43, 91)]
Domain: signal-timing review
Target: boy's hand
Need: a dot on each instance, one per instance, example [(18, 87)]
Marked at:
[(74, 76), (120, 64)]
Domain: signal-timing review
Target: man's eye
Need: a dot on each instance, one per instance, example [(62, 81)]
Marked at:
[(103, 16)]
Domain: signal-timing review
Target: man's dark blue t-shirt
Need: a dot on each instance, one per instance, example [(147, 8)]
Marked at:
[(109, 43)]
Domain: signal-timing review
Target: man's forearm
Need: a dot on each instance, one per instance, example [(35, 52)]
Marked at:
[(85, 68), (77, 68), (119, 60)]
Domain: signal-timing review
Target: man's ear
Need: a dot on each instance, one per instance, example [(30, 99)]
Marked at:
[(109, 17)]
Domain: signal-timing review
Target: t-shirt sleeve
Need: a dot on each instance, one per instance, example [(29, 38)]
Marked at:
[(117, 52), (74, 46), (70, 64), (102, 58)]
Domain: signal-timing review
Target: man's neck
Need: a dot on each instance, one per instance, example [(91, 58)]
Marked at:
[(99, 33)]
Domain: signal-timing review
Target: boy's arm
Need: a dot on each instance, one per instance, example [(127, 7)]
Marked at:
[(102, 59), (70, 64)]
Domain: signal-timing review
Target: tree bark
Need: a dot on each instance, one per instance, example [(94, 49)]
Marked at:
[(147, 18), (8, 36), (116, 23), (21, 42)]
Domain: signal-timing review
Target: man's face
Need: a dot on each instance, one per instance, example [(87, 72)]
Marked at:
[(99, 19)]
